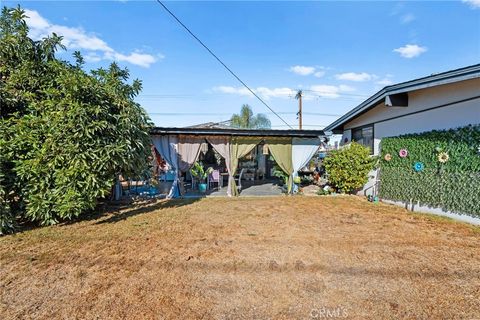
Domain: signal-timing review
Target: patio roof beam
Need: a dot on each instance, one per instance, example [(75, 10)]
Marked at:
[(238, 132)]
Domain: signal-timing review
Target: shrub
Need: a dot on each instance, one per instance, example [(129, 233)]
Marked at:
[(348, 168)]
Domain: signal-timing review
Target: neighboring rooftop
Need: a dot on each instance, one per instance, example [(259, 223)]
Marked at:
[(436, 79), (211, 125)]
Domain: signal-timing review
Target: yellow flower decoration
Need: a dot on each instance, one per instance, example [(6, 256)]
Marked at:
[(443, 157), (388, 157)]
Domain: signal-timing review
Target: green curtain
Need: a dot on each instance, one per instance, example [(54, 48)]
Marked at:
[(281, 150), (239, 147)]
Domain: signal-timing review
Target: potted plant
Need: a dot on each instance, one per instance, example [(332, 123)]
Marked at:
[(201, 174)]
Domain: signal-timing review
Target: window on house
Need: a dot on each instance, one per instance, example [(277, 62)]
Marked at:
[(364, 136)]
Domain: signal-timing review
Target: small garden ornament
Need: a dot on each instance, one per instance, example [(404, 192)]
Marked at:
[(403, 153), (443, 157), (418, 166)]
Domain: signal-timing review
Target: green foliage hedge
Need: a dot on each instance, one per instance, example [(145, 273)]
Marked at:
[(453, 185), (348, 168)]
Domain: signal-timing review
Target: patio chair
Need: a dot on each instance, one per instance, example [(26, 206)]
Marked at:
[(239, 179), (213, 178)]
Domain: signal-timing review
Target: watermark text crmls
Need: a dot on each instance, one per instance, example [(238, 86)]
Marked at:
[(328, 312)]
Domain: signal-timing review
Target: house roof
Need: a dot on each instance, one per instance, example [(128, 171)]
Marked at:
[(238, 132), (466, 73)]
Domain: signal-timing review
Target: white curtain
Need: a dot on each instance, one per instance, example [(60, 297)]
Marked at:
[(188, 151), (303, 149), (167, 147)]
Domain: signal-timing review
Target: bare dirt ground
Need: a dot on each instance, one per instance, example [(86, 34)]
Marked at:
[(251, 258)]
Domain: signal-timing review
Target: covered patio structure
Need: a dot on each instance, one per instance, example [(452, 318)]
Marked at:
[(181, 148)]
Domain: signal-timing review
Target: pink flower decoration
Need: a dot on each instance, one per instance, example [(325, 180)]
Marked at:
[(403, 153)]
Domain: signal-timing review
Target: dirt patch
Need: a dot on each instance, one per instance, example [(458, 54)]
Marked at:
[(251, 258)]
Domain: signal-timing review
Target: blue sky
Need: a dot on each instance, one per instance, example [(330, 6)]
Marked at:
[(338, 52)]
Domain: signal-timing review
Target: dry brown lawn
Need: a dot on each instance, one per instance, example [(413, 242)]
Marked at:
[(251, 258)]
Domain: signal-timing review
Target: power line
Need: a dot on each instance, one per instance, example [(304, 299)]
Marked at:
[(322, 114), (167, 95), (305, 125), (226, 114), (221, 62), (150, 98), (337, 93)]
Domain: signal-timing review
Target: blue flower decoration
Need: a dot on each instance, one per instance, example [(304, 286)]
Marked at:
[(418, 166)]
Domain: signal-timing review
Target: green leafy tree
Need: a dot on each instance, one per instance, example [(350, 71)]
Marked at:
[(65, 134), (246, 120), (348, 168)]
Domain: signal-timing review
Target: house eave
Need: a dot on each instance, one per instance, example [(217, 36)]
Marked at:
[(462, 74)]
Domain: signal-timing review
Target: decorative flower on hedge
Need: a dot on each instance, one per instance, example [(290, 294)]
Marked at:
[(418, 166), (403, 153), (388, 157), (443, 157)]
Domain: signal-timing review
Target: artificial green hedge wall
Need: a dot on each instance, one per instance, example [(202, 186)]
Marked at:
[(421, 176)]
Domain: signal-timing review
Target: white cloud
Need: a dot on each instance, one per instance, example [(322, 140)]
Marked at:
[(233, 90), (75, 38), (316, 71), (92, 57), (264, 92), (78, 39), (474, 4), (138, 58), (410, 50), (330, 91), (275, 92), (345, 88), (407, 18), (309, 93), (352, 76), (302, 70), (397, 8), (384, 82), (35, 20)]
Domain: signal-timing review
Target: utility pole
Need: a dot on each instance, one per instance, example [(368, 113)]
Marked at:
[(298, 96)]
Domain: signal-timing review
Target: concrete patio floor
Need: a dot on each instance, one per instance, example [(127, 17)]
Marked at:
[(249, 189)]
